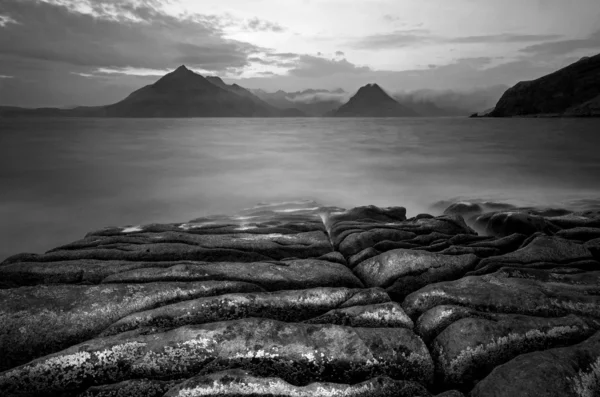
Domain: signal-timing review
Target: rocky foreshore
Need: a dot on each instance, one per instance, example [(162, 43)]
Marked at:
[(295, 299)]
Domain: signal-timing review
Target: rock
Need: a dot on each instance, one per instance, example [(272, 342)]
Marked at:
[(335, 257), (572, 371), (134, 387), (580, 233), (357, 242), (381, 315), (233, 383), (405, 271), (541, 249), (362, 256), (480, 252), (504, 244), (464, 209), (272, 276), (428, 239), (436, 319), (292, 306), (506, 223), (593, 246), (35, 321), (468, 349), (173, 246), (297, 353), (493, 293), (575, 220)]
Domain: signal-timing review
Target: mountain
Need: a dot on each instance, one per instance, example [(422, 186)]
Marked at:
[(372, 101), (181, 93), (571, 91), (312, 102)]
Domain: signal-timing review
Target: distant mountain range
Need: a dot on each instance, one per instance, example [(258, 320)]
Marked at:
[(573, 91), (184, 93)]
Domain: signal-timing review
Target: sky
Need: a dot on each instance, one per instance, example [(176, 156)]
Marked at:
[(94, 52)]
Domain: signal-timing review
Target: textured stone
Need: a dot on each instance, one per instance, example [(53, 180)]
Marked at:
[(297, 353), (235, 383), (272, 276), (292, 306), (468, 349), (572, 371), (381, 315), (405, 271), (495, 293), (35, 321), (580, 233), (131, 388)]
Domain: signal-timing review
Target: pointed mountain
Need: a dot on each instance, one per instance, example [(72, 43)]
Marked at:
[(184, 93), (570, 91), (372, 101)]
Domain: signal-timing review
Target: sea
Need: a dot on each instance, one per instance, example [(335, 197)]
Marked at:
[(61, 178)]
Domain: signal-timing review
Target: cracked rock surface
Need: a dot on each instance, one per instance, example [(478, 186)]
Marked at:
[(297, 299)]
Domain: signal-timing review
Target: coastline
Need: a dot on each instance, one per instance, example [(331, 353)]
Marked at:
[(229, 303)]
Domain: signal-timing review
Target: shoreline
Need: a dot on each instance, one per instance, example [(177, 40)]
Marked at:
[(229, 303)]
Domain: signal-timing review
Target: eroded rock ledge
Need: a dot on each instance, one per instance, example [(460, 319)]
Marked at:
[(296, 299)]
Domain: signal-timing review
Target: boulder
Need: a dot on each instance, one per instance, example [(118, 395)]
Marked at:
[(35, 321), (272, 276), (507, 223), (580, 233), (133, 388), (572, 371), (297, 353), (594, 247)]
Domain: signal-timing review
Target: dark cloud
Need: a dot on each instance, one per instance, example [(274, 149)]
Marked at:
[(339, 54), (118, 34), (311, 66), (260, 25), (592, 42), (391, 18)]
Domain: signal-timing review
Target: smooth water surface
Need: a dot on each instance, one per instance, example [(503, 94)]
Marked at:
[(60, 178)]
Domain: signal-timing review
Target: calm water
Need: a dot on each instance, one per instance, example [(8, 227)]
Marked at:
[(60, 178)]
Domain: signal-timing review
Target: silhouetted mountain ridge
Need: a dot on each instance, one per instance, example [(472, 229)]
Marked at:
[(372, 101)]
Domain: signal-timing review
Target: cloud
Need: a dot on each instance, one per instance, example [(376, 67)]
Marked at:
[(396, 39), (313, 97), (5, 20), (118, 34), (423, 37), (2, 76), (339, 54), (563, 47), (259, 25), (311, 66)]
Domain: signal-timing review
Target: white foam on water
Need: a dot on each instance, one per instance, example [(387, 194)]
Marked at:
[(132, 229)]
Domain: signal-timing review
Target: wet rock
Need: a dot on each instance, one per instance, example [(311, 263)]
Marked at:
[(491, 293), (541, 249), (381, 315), (272, 276), (464, 209), (435, 247), (467, 239), (368, 214), (504, 244), (356, 242), (408, 270), (35, 321), (436, 319), (575, 220), (428, 239), (481, 252), (572, 371), (297, 353), (131, 388), (235, 383), (580, 233), (292, 306), (594, 247), (468, 349), (507, 223), (335, 257), (362, 256)]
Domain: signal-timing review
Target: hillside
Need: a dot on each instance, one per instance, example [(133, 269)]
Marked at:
[(372, 101)]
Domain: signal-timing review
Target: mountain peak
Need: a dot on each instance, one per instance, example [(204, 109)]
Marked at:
[(182, 68), (372, 101)]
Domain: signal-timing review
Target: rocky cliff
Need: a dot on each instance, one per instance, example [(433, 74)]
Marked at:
[(295, 299), (571, 91)]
